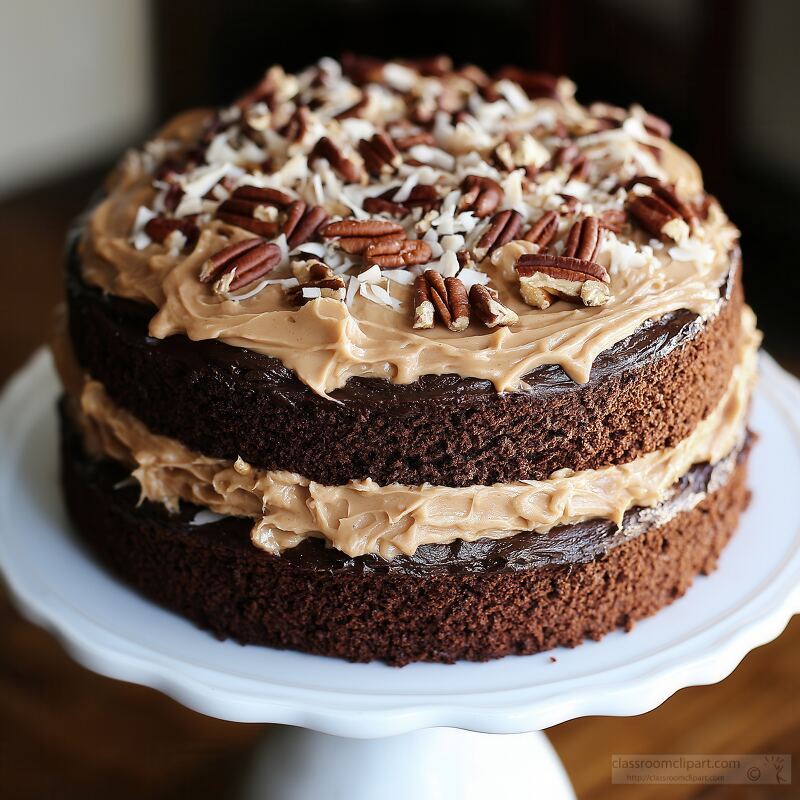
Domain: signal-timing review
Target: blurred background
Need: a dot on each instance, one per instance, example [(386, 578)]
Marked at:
[(81, 80)]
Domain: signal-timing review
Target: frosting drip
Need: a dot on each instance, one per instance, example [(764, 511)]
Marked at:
[(362, 517)]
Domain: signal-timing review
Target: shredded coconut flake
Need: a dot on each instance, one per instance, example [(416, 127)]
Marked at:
[(401, 276), (371, 275), (404, 192), (469, 277), (692, 250), (206, 517)]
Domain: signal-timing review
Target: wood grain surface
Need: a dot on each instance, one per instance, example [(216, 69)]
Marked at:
[(67, 733)]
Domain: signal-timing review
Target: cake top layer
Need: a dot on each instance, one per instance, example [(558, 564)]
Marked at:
[(401, 219)]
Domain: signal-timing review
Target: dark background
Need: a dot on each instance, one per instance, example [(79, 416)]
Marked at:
[(723, 72)]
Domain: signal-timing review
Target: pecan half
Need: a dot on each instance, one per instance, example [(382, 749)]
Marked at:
[(392, 253), (320, 281), (355, 235), (443, 297), (488, 309), (239, 264), (161, 230), (661, 213), (380, 155), (584, 239), (543, 231), (267, 197), (302, 222), (327, 149), (503, 228), (480, 195), (573, 279), (241, 213)]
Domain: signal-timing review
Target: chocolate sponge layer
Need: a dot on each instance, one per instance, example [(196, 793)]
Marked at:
[(525, 594), (646, 393)]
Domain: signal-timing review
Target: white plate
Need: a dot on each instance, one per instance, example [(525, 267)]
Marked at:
[(697, 640)]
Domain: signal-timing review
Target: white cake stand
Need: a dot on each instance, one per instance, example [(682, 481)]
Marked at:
[(424, 731)]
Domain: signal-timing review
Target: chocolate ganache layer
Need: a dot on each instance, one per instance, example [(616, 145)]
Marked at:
[(542, 590), (645, 393)]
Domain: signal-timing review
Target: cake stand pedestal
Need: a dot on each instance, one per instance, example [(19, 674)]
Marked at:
[(427, 730)]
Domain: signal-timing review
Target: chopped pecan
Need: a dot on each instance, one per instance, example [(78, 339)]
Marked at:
[(570, 157), (570, 203), (410, 140), (447, 297), (584, 239), (613, 220), (480, 195), (430, 66), (239, 264), (565, 155), (161, 230), (319, 281), (362, 69), (465, 259), (391, 253), (327, 149), (534, 84), (302, 222), (298, 125), (380, 155), (661, 213), (355, 235), (488, 309), (383, 204), (354, 110), (262, 92), (543, 231), (580, 169), (424, 196), (503, 228), (573, 279)]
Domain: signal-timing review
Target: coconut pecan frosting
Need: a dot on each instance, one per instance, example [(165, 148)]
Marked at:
[(407, 218)]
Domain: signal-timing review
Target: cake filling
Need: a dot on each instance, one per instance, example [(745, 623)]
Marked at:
[(363, 517)]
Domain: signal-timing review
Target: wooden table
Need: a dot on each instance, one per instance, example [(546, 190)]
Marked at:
[(67, 733)]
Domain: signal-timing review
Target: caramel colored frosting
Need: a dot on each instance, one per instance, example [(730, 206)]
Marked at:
[(362, 517), (328, 341)]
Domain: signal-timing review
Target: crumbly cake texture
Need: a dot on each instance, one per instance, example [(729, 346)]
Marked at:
[(497, 601), (646, 393), (426, 279)]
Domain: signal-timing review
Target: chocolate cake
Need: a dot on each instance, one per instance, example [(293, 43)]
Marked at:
[(403, 361)]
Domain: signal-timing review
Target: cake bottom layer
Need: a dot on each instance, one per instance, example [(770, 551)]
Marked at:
[(316, 602)]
